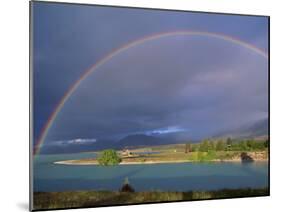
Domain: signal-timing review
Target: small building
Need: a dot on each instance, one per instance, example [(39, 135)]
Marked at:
[(126, 153)]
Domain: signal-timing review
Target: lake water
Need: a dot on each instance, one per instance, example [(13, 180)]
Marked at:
[(160, 177)]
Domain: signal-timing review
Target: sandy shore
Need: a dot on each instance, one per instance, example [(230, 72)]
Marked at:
[(75, 162)]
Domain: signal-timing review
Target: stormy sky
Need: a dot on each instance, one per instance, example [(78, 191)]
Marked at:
[(192, 86)]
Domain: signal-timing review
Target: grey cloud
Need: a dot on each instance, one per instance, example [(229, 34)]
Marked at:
[(195, 82)]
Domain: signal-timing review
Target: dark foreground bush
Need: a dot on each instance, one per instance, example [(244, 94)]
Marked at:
[(57, 200), (126, 186)]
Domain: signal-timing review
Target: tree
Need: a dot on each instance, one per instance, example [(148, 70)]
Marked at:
[(243, 146), (229, 141), (220, 145), (266, 143), (204, 146), (194, 147), (109, 157), (250, 143), (211, 146), (187, 148)]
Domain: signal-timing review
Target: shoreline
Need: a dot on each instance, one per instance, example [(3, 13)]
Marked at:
[(95, 163)]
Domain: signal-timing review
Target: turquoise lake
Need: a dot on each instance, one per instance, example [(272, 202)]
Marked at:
[(161, 177)]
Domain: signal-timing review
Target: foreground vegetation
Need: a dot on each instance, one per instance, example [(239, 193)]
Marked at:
[(56, 200)]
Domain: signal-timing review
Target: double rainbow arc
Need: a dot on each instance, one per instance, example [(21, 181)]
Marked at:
[(123, 48)]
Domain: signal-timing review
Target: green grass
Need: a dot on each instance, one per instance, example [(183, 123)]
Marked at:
[(56, 200), (210, 156), (180, 156)]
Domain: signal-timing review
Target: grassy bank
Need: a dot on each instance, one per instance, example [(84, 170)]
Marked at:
[(206, 151), (56, 200), (170, 156)]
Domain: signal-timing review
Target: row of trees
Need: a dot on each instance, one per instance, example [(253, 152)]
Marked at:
[(226, 145)]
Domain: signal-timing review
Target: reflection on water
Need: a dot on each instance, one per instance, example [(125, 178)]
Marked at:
[(165, 177)]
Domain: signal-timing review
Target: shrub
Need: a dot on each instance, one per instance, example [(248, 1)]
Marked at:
[(109, 157), (126, 186)]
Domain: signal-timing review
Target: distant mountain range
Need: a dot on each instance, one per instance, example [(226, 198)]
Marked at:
[(130, 141), (254, 130), (257, 129), (139, 140)]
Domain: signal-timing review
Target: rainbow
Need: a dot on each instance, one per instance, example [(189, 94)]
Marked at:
[(117, 51)]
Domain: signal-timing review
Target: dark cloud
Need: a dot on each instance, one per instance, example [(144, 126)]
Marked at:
[(172, 82), (206, 85)]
